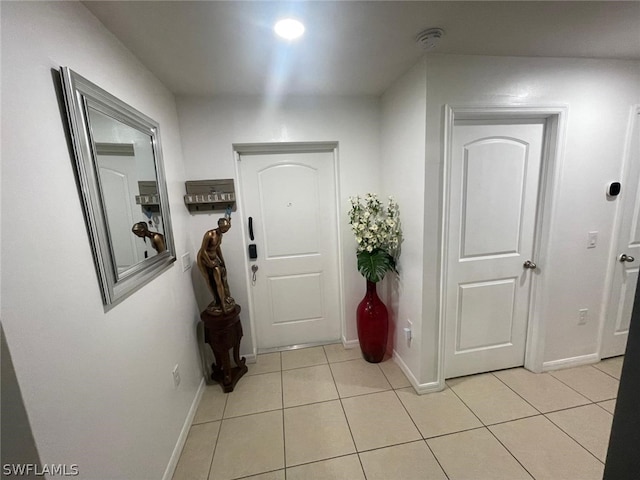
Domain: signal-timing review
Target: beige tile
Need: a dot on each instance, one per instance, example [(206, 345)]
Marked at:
[(342, 468), (265, 363), (394, 374), (546, 451), (337, 353), (590, 382), (408, 461), (358, 377), (379, 420), (195, 460), (609, 405), (438, 413), (211, 405), (490, 399), (476, 454), (304, 357), (316, 432), (276, 475), (308, 385), (249, 445), (541, 390), (258, 393), (589, 425), (611, 366)]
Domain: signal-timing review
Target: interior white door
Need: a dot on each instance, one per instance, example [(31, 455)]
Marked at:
[(625, 276), (119, 184), (493, 193), (291, 199)]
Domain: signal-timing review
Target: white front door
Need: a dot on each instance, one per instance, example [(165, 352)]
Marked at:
[(291, 198), (493, 194), (625, 275)]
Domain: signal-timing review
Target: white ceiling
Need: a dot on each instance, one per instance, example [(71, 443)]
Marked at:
[(351, 47)]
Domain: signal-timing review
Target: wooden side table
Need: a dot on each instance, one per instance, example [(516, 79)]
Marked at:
[(223, 333)]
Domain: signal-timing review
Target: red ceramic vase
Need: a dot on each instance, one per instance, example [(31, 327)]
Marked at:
[(373, 325)]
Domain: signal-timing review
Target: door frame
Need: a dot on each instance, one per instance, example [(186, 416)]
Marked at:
[(552, 153), (634, 117), (277, 148)]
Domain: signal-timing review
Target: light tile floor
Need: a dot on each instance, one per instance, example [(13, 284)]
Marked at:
[(325, 413)]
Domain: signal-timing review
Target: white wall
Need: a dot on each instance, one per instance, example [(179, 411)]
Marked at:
[(598, 94), (403, 116), (97, 386), (209, 128)]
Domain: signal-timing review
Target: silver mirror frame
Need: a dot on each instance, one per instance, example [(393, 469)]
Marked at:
[(79, 94)]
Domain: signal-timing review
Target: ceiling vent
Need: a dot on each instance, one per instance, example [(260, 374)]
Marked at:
[(429, 38)]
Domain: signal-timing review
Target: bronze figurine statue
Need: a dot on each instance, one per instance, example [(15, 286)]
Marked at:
[(157, 239), (212, 267)]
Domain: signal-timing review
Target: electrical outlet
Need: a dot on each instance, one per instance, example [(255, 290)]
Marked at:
[(582, 316), (176, 376), (186, 262), (408, 331)]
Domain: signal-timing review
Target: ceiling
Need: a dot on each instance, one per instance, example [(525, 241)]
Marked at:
[(351, 47)]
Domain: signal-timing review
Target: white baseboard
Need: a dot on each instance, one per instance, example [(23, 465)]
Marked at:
[(177, 450), (570, 362), (420, 388), (350, 343)]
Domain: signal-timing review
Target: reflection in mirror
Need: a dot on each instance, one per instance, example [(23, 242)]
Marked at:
[(119, 166), (125, 159)]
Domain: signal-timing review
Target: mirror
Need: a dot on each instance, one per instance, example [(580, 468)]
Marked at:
[(118, 161)]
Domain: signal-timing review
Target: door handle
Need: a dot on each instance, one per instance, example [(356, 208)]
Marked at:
[(251, 228), (626, 258), (529, 264)]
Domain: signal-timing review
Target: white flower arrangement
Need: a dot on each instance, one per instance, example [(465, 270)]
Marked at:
[(378, 235)]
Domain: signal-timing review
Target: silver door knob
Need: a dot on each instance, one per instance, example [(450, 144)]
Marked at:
[(529, 264), (626, 258)]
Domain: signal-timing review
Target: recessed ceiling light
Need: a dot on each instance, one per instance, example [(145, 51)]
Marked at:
[(289, 28)]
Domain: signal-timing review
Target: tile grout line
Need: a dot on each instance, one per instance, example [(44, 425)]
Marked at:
[(284, 433), (598, 404), (544, 414), (510, 452), (607, 373), (575, 390), (215, 446), (572, 438), (256, 474), (355, 446), (520, 396), (423, 437), (489, 430)]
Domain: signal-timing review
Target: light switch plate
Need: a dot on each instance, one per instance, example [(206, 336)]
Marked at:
[(593, 240), (186, 262)]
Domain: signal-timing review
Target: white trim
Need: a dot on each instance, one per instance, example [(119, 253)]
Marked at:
[(177, 450), (615, 235), (240, 149), (556, 119), (251, 358), (283, 147), (420, 388), (349, 344), (243, 228), (570, 362)]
